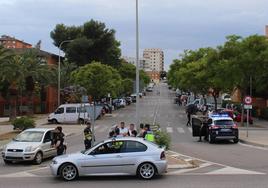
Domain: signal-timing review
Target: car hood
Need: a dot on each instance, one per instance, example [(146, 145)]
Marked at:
[(70, 157), (21, 145)]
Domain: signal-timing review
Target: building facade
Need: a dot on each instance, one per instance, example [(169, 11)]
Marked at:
[(46, 102), (13, 43), (144, 63), (155, 63)]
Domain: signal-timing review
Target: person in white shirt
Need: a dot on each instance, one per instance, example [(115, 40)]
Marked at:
[(122, 129)]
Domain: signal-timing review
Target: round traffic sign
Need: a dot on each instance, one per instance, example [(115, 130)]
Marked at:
[(248, 100)]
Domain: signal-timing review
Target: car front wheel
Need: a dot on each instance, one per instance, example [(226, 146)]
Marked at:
[(38, 158), (68, 172), (236, 140), (146, 171)]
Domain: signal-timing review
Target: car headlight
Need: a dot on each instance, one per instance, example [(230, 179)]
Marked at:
[(30, 148)]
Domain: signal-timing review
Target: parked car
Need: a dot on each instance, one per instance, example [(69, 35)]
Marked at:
[(30, 145), (149, 89), (128, 100), (239, 116), (121, 156)]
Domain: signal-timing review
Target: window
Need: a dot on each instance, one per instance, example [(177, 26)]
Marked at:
[(81, 110), (59, 111), (71, 110), (133, 146), (47, 137), (109, 148)]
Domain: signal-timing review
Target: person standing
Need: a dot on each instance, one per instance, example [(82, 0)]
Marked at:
[(122, 129), (131, 131), (59, 140), (88, 136)]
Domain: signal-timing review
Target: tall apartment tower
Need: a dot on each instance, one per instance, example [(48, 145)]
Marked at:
[(156, 62)]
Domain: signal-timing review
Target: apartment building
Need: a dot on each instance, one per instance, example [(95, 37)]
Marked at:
[(11, 42), (156, 63)]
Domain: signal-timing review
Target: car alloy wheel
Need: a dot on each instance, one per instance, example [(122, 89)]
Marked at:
[(68, 172), (38, 158), (146, 170)]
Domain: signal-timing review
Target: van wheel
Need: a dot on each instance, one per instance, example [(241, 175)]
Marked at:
[(54, 121)]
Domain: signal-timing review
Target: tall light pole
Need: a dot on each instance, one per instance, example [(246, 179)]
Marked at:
[(137, 66), (59, 63)]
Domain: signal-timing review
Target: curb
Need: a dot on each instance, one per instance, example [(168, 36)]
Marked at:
[(252, 143)]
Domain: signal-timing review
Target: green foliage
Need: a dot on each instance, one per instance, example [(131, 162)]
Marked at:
[(127, 70), (162, 139), (23, 123), (98, 79), (223, 68), (144, 78), (92, 41)]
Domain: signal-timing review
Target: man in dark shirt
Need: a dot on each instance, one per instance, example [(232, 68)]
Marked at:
[(88, 136), (59, 140)]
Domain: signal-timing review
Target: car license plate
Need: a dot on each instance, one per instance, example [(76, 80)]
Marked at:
[(226, 130)]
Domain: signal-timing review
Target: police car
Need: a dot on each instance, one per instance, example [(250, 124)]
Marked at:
[(215, 127), (222, 127)]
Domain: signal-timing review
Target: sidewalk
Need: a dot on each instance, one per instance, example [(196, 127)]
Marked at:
[(257, 133)]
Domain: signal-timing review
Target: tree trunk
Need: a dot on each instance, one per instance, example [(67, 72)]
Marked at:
[(30, 105), (13, 108)]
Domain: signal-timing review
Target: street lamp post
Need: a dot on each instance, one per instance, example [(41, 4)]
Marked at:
[(137, 66), (59, 63)]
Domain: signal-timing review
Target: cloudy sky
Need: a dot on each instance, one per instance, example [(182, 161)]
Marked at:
[(173, 25)]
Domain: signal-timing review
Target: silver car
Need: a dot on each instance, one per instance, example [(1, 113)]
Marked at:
[(120, 156), (30, 145)]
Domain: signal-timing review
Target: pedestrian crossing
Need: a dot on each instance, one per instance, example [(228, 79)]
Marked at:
[(169, 129)]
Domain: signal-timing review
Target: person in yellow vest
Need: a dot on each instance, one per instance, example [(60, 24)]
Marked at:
[(148, 134), (88, 136)]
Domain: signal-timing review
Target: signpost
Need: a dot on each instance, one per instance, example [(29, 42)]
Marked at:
[(247, 106)]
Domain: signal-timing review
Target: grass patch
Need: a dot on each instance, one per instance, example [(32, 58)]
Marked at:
[(9, 135)]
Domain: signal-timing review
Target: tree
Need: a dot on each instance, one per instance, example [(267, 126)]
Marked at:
[(98, 79), (91, 42), (127, 70)]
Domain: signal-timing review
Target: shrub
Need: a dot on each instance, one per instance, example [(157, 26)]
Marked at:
[(162, 139), (23, 123)]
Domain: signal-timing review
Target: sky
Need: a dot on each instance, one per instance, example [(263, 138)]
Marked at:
[(172, 25)]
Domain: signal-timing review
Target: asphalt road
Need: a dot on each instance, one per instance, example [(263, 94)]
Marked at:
[(224, 164)]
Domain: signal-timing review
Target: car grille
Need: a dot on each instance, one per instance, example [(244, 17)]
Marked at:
[(14, 158), (15, 150)]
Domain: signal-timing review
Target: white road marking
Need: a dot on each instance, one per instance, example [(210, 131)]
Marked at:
[(251, 146), (169, 129), (226, 170), (231, 170), (180, 130)]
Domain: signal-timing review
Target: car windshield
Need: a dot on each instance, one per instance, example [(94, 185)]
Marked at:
[(224, 122), (29, 136)]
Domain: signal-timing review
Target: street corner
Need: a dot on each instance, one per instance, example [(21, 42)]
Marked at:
[(254, 138), (177, 161)]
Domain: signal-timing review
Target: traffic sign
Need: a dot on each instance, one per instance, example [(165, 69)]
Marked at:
[(248, 100), (248, 106)]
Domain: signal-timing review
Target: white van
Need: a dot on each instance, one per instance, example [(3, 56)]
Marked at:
[(70, 113)]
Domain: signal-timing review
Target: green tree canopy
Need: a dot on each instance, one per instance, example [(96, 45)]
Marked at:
[(92, 41), (98, 79)]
